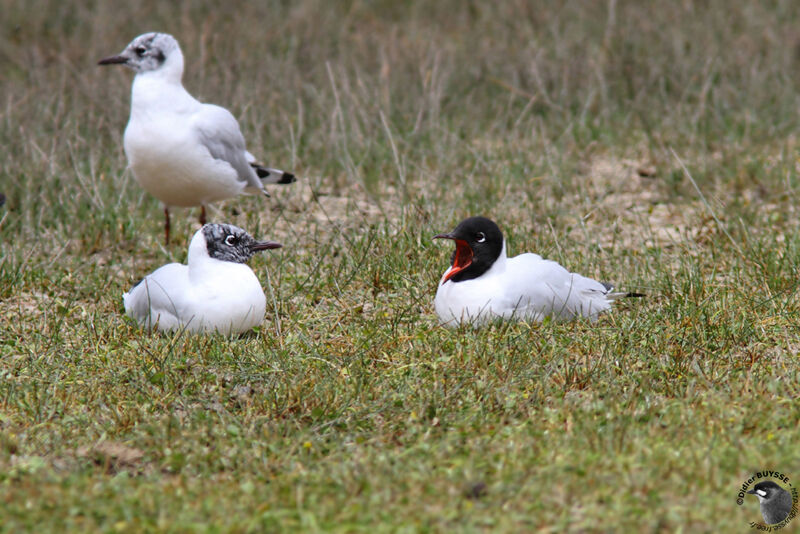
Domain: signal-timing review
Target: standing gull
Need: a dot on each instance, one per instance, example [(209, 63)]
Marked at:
[(216, 291), (183, 152), (483, 284)]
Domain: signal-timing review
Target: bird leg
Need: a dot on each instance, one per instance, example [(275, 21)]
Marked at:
[(166, 226), (202, 215)]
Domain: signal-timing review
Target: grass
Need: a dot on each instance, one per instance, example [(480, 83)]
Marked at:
[(652, 144)]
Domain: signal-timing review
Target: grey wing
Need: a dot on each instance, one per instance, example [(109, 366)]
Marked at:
[(550, 289), (219, 132)]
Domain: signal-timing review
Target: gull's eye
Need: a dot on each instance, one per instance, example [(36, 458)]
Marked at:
[(230, 240), (480, 237), (140, 50)]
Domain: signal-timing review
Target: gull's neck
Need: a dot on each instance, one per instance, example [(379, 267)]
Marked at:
[(199, 261), (161, 89), (499, 265), (198, 251)]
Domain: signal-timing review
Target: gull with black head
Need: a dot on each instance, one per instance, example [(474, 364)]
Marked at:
[(215, 292), (775, 501), (483, 284), (182, 151)]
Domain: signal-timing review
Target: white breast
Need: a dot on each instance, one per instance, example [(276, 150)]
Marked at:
[(219, 296), (228, 300), (173, 167), (525, 287), (164, 152)]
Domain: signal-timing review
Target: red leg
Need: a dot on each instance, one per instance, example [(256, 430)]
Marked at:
[(202, 215), (166, 226)]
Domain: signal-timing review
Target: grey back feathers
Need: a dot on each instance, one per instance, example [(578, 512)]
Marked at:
[(219, 132)]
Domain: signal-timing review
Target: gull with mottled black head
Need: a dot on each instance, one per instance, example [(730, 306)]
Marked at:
[(215, 292), (183, 152), (483, 284)]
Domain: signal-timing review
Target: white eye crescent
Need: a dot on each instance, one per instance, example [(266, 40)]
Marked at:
[(480, 237), (230, 240)]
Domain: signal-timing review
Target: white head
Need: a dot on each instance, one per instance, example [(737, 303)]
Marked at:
[(151, 53)]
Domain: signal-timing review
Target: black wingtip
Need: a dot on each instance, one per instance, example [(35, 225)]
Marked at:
[(634, 295), (263, 172)]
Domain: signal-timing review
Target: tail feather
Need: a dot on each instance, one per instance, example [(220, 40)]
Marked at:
[(273, 176)]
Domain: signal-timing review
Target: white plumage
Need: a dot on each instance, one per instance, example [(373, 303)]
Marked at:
[(182, 151), (483, 284), (216, 291)]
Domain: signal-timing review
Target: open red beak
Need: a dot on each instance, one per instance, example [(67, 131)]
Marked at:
[(462, 258)]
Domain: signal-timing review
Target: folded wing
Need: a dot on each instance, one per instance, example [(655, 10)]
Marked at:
[(218, 131), (545, 288), (159, 299)]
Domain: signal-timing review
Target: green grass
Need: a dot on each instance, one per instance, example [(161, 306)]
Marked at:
[(349, 409)]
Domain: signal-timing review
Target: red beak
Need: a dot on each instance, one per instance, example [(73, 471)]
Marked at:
[(462, 258)]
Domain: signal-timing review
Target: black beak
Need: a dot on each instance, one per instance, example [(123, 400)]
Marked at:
[(113, 60), (444, 236), (264, 245)]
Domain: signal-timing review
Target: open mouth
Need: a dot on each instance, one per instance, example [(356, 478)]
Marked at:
[(462, 257)]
